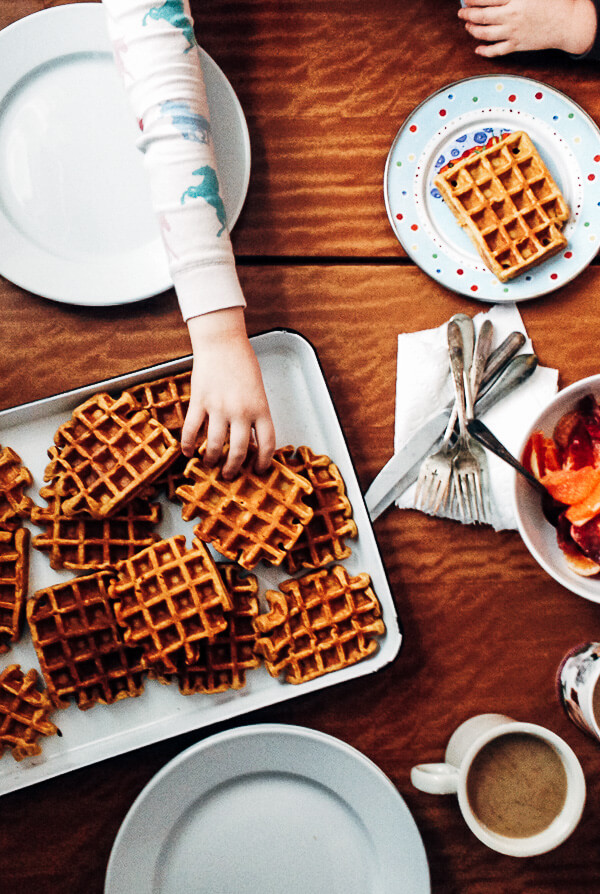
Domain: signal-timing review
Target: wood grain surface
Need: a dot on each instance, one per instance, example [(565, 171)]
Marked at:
[(325, 87)]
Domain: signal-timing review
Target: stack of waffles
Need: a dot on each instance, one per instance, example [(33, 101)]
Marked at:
[(509, 204)]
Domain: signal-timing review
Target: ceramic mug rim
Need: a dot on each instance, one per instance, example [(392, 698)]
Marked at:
[(561, 826)]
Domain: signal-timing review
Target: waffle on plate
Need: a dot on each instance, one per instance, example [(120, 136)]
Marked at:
[(509, 204), (14, 577), (24, 711)]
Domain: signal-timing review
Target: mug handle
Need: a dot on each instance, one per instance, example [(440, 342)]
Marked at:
[(435, 779)]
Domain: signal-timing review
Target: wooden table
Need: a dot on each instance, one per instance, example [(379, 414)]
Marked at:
[(325, 86)]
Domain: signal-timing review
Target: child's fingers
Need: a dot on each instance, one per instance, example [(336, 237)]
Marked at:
[(265, 441), (215, 439), (239, 437), (469, 4), (191, 426), (492, 15)]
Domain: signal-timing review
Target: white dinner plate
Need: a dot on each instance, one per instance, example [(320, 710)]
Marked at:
[(468, 114), (76, 223), (269, 808)]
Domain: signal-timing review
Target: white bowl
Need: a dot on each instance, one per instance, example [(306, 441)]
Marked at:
[(538, 534)]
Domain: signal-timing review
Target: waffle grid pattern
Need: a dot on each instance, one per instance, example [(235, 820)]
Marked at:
[(105, 453), (24, 713), (507, 200), (82, 542), (79, 646), (225, 658), (323, 539), (319, 623), (250, 518), (14, 479), (168, 598), (14, 574)]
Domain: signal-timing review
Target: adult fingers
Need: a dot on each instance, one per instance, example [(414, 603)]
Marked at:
[(265, 441), (495, 49), (239, 438)]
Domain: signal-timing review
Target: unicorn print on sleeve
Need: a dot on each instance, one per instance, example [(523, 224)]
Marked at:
[(173, 13)]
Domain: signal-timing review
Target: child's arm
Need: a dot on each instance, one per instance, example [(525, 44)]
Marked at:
[(157, 56), (510, 26)]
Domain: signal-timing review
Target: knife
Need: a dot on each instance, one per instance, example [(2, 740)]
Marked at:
[(403, 468)]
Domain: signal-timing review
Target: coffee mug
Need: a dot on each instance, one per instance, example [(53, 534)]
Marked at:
[(520, 787), (579, 689)]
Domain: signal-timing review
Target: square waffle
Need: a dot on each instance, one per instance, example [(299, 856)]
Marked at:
[(323, 539), (79, 646), (83, 542), (106, 453), (14, 574), (506, 199), (319, 623), (167, 400), (24, 713), (251, 517), (167, 598), (14, 479), (225, 657)]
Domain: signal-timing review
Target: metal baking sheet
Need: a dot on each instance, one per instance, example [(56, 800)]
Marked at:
[(303, 413)]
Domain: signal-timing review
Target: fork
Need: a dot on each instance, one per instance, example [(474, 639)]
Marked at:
[(468, 483), (435, 473)]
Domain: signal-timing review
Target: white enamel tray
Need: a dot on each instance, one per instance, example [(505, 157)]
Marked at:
[(303, 414), (76, 223), (269, 809)]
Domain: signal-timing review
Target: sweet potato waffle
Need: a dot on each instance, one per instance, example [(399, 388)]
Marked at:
[(167, 599), (106, 454), (319, 623), (225, 657), (14, 481), (323, 539), (251, 517), (14, 576), (79, 645), (509, 204), (24, 711), (82, 542)]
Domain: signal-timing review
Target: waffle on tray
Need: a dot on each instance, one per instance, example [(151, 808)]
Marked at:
[(167, 400), (14, 480), (224, 658), (24, 711), (507, 201), (79, 644), (167, 599), (14, 576), (323, 539), (106, 454), (318, 623), (252, 517), (82, 542)]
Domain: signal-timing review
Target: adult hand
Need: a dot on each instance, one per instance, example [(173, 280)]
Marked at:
[(510, 26)]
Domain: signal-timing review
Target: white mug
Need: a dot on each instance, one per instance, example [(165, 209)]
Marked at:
[(472, 772), (577, 679)]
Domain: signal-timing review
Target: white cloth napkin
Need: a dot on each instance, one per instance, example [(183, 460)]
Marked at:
[(424, 385)]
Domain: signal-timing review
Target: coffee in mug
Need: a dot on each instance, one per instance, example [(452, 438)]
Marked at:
[(517, 785), (520, 787), (578, 682)]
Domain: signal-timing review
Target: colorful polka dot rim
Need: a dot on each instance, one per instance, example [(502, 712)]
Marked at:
[(468, 115)]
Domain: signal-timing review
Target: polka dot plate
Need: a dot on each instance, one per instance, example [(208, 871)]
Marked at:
[(455, 121)]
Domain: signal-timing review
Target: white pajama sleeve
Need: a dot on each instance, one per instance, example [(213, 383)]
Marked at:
[(158, 60)]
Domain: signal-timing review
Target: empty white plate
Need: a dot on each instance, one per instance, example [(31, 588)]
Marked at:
[(269, 808)]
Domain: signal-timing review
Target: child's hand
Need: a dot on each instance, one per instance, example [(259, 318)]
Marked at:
[(511, 26), (228, 391)]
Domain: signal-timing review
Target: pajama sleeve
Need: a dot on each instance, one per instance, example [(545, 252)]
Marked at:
[(158, 60)]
